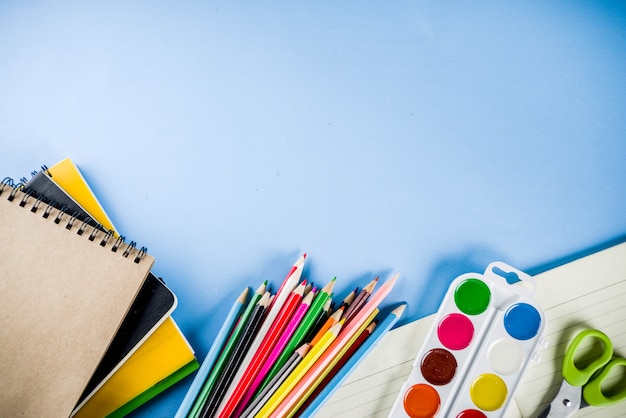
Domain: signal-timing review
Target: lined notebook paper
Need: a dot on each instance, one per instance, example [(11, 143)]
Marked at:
[(588, 292), (63, 295)]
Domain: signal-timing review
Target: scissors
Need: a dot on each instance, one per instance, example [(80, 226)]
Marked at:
[(581, 387)]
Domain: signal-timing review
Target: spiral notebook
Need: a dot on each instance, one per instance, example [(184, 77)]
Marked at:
[(155, 301), (65, 288)]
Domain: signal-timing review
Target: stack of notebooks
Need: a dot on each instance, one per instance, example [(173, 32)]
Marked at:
[(87, 327), (283, 354)]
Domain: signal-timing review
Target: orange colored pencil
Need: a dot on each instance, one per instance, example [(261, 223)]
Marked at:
[(332, 320), (332, 355)]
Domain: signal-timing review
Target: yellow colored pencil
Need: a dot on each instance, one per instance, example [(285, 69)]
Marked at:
[(292, 406), (297, 374), (331, 321), (316, 374)]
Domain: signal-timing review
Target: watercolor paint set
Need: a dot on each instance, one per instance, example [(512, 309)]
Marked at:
[(486, 330)]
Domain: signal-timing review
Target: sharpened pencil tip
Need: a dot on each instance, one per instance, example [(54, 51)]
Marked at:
[(302, 350), (261, 289), (330, 286), (399, 310), (244, 295), (392, 281), (300, 262), (337, 327), (265, 299)]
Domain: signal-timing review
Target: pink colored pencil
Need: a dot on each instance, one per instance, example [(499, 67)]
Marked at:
[(277, 302), (263, 351), (348, 335), (278, 348)]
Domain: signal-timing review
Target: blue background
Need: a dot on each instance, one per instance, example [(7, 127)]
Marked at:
[(427, 138)]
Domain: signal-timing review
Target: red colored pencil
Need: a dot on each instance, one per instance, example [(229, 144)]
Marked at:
[(276, 303), (234, 403), (297, 267), (278, 347)]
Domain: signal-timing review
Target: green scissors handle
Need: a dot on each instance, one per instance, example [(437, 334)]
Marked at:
[(592, 391), (588, 376)]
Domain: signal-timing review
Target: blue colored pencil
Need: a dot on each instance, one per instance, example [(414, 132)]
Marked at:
[(214, 351), (381, 329), (211, 404)]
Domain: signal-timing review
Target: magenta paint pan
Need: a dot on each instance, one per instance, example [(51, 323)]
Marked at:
[(486, 330)]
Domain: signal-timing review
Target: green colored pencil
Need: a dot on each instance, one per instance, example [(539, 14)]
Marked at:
[(226, 352), (302, 331)]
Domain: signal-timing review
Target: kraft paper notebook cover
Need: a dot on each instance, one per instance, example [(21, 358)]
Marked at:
[(586, 292), (64, 293), (154, 302)]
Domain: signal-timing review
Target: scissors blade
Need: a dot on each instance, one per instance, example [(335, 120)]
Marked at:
[(565, 403)]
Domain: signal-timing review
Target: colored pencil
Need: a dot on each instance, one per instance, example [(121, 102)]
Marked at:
[(299, 372), (301, 332), (291, 281), (360, 300), (235, 404), (319, 321), (332, 320), (349, 298), (278, 379), (355, 359), (294, 321), (242, 346), (226, 352), (348, 335), (309, 287), (344, 358), (216, 347)]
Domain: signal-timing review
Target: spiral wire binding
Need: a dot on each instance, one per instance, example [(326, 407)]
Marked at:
[(40, 200), (8, 182)]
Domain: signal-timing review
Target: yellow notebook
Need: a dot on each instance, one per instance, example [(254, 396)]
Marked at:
[(66, 174), (65, 288), (162, 354)]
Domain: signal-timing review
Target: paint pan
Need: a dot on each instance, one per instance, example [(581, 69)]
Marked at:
[(487, 329)]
